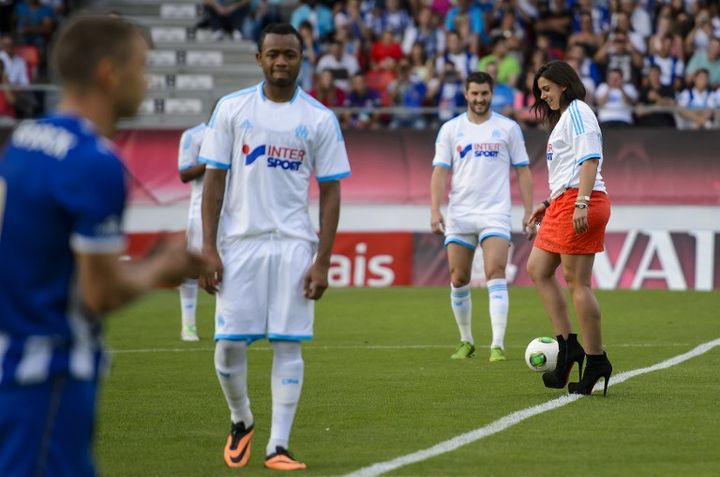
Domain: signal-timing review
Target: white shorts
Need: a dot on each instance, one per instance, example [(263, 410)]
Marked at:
[(262, 291), (469, 231), (194, 234)]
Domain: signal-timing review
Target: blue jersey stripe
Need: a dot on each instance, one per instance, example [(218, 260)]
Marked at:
[(334, 177)]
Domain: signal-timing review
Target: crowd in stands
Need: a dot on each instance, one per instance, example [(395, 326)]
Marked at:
[(26, 27), (643, 62)]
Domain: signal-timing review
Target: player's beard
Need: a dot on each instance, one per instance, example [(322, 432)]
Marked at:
[(282, 81), (480, 109)]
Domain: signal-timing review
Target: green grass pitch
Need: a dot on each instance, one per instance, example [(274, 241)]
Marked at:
[(379, 384)]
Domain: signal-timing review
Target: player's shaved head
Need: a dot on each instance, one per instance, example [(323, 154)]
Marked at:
[(85, 41)]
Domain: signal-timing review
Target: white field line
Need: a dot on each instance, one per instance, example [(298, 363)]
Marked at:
[(374, 347), (517, 417)]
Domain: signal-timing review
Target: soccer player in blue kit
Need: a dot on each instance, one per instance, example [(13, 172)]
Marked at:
[(62, 196)]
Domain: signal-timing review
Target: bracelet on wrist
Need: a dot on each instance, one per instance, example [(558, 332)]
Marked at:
[(586, 198), (546, 203)]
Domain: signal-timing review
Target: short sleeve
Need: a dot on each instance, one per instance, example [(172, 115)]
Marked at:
[(216, 150), (585, 131), (443, 148), (91, 189), (188, 150), (518, 152), (331, 159), (683, 99)]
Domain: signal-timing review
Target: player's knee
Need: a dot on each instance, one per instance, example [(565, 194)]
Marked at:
[(287, 350), (229, 354)]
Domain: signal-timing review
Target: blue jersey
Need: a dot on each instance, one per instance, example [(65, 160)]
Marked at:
[(62, 190)]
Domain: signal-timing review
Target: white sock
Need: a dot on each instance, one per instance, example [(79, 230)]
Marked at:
[(188, 302), (461, 303), (286, 383), (499, 304), (231, 369)]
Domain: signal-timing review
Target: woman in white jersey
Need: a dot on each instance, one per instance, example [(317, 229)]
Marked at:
[(573, 221)]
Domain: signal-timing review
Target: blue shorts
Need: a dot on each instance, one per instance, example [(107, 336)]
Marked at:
[(46, 429)]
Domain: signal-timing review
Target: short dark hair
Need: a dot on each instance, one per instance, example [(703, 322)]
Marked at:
[(562, 74), (87, 39), (479, 77), (279, 29)]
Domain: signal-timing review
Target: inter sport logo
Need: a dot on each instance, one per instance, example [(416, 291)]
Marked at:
[(279, 157), (485, 149)]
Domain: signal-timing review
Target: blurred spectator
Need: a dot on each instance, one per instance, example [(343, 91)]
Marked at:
[(421, 68), (450, 94), (508, 66), (655, 94), (700, 100), (666, 26), (7, 97), (599, 16), (671, 67), (639, 18), (320, 16), (468, 21), (262, 13), (343, 65), (441, 7), (586, 36), (542, 43), (618, 53), (35, 23), (510, 29), (524, 99), (503, 94), (386, 52), (16, 68), (362, 97), (586, 68), (709, 60), (351, 45), (699, 37), (59, 7), (676, 10), (326, 92), (615, 100), (621, 24), (311, 52), (554, 22), (395, 17), (431, 39), (460, 59), (537, 59), (225, 17), (588, 83), (408, 93)]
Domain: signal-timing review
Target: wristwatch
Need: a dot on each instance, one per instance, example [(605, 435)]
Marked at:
[(580, 205)]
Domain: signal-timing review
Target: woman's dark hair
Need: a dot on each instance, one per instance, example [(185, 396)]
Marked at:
[(563, 75)]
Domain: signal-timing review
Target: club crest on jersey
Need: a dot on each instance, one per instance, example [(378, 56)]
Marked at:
[(484, 149), (279, 157), (549, 152)]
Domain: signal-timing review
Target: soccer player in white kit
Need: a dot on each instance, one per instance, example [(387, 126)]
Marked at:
[(479, 147), (191, 170), (265, 141)]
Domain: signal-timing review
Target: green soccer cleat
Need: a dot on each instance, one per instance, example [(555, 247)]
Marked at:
[(497, 354), (189, 333), (464, 350)]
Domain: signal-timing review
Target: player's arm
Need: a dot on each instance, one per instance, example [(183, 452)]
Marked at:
[(316, 280), (588, 173), (106, 283), (437, 192), (212, 202), (191, 173), (525, 184)]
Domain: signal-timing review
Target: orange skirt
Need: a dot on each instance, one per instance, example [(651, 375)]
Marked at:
[(557, 234)]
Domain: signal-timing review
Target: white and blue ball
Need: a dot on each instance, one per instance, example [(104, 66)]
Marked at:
[(541, 354)]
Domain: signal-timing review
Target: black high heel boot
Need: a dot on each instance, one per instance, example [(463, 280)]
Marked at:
[(569, 353), (598, 366)]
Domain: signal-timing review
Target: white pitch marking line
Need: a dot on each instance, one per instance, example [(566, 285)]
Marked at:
[(378, 347), (517, 417)]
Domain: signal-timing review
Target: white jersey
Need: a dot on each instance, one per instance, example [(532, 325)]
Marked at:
[(271, 149), (188, 153), (480, 156), (574, 139)]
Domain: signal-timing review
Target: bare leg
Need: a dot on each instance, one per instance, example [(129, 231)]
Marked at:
[(578, 273), (460, 260), (541, 267)]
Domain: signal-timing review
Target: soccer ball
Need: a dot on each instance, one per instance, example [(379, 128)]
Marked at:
[(541, 354)]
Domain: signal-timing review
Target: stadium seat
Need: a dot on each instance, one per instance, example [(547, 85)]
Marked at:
[(31, 55), (178, 11)]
